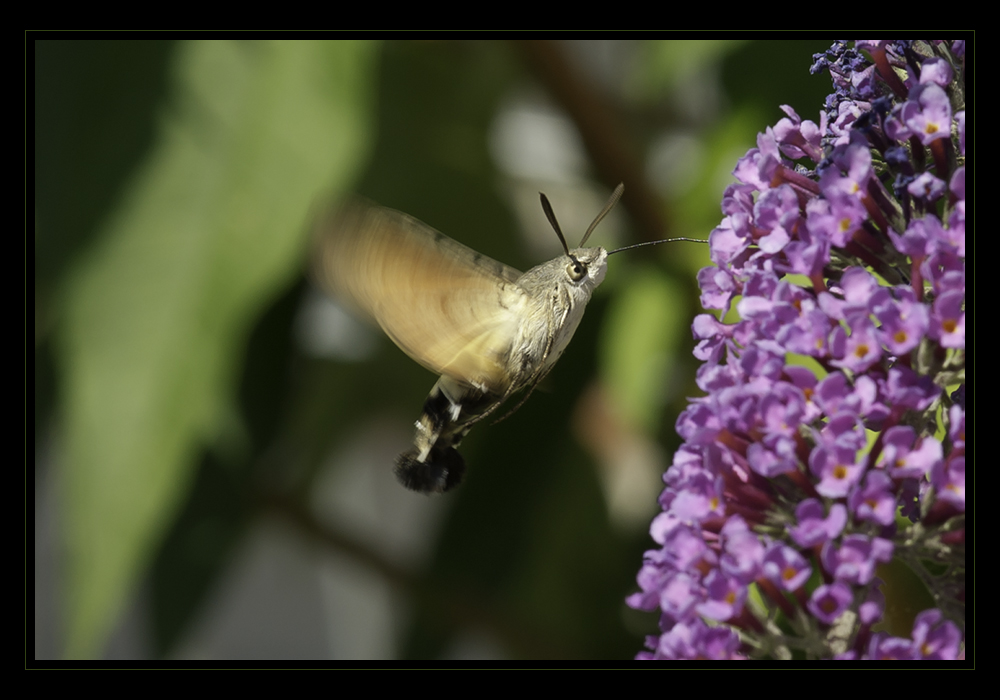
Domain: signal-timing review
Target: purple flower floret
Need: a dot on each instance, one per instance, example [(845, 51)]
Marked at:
[(828, 602), (831, 437), (786, 567), (875, 501), (933, 638), (855, 560), (813, 528)]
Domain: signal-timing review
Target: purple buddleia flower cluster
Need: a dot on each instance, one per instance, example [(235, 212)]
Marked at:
[(831, 439)]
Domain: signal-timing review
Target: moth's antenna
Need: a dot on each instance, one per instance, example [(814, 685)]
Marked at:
[(615, 196), (547, 208), (665, 240)]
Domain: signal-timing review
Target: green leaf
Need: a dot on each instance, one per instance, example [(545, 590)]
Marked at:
[(646, 319), (209, 231)]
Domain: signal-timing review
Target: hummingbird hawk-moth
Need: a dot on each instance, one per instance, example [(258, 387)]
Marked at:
[(487, 329)]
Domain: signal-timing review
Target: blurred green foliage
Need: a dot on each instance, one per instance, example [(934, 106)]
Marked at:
[(174, 185)]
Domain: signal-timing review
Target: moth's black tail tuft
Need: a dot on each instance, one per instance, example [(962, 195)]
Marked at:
[(442, 471)]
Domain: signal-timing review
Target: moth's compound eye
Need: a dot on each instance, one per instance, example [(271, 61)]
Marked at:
[(576, 270)]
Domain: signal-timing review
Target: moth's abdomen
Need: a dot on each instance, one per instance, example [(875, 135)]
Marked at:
[(451, 409), (442, 470)]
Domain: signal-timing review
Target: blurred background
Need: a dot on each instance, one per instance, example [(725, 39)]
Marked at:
[(214, 439)]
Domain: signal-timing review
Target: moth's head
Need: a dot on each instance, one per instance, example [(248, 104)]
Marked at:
[(585, 267)]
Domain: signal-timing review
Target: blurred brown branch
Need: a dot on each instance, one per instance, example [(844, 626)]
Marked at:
[(602, 130)]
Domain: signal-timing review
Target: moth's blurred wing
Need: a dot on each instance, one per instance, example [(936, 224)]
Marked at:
[(449, 308)]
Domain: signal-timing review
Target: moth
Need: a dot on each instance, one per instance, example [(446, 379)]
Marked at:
[(487, 329)]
